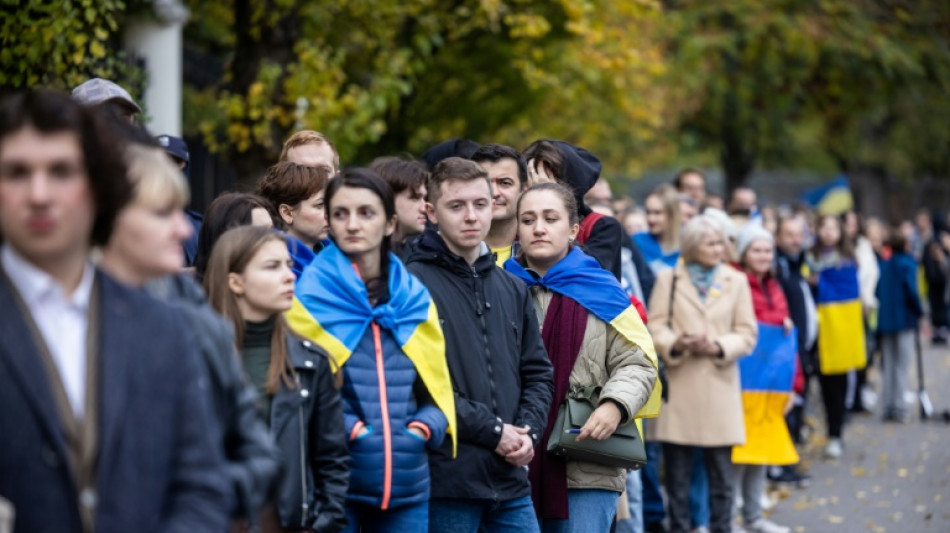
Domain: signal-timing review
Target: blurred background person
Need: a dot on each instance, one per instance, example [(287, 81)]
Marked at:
[(228, 211)]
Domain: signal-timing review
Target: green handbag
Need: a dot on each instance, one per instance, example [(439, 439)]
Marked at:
[(622, 449)]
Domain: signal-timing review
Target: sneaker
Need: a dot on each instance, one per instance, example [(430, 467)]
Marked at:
[(834, 449), (700, 529), (763, 525), (786, 475)]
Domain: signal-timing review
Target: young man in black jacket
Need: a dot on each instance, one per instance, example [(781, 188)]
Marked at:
[(500, 371)]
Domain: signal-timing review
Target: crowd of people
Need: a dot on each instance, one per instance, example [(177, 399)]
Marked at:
[(480, 340)]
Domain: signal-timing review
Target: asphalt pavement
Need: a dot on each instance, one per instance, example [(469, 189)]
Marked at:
[(891, 478)]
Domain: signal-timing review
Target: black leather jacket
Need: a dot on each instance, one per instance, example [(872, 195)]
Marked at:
[(307, 424), (252, 460)]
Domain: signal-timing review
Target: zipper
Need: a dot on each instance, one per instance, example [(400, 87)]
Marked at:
[(384, 408), (303, 461)]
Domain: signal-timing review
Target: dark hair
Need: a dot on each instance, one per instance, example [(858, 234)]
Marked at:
[(678, 178), (563, 192), (227, 211), (843, 246), (290, 183), (897, 241), (494, 153), (401, 174), (232, 253), (454, 168), (102, 147), (364, 178), (546, 153)]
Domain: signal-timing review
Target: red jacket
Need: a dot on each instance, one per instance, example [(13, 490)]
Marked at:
[(772, 308)]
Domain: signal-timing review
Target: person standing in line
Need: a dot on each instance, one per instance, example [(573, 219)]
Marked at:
[(897, 326), (145, 251), (90, 368), (407, 178), (767, 439), (508, 174), (841, 346), (500, 372), (702, 321), (228, 211), (311, 149), (660, 244), (250, 282), (595, 338), (378, 322)]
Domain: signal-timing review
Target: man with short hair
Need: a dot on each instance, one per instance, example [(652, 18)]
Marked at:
[(500, 371), (103, 404), (97, 91), (791, 273), (311, 149), (407, 178), (692, 182), (508, 174)]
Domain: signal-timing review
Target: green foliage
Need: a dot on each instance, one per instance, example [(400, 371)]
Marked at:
[(61, 43)]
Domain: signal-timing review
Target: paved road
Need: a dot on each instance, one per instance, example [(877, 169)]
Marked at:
[(892, 478)]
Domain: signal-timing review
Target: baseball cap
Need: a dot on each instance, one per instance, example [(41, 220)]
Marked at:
[(175, 146), (98, 90)]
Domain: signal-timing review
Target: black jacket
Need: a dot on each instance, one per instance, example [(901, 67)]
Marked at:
[(253, 462), (788, 271), (307, 424), (500, 370), (581, 170)]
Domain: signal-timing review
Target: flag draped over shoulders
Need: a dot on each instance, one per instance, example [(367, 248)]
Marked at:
[(581, 278), (841, 340), (331, 307), (766, 376)]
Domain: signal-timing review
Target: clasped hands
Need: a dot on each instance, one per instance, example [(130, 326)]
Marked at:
[(696, 344), (517, 447)]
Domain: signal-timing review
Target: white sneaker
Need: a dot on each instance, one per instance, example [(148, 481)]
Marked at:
[(834, 449), (763, 525)]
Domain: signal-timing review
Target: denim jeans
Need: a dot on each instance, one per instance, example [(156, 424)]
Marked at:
[(482, 516), (634, 496), (370, 519), (698, 492), (589, 511), (654, 510), (679, 467)]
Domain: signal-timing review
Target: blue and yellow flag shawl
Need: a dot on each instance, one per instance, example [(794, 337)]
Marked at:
[(581, 278), (840, 321), (331, 308), (766, 376)]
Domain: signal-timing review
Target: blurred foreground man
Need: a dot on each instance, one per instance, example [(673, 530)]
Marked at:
[(102, 408)]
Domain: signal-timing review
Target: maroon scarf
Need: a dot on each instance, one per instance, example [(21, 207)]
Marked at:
[(563, 334)]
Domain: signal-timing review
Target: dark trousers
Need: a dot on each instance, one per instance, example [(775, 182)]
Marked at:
[(834, 392), (653, 509), (679, 469)]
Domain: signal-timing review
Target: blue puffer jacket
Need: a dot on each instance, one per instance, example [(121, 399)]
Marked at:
[(898, 298), (389, 465)]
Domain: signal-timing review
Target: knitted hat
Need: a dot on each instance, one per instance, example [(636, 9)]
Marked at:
[(750, 233), (725, 223)]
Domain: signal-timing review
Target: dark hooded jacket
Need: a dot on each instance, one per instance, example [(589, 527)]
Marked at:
[(581, 171), (500, 371), (463, 148)]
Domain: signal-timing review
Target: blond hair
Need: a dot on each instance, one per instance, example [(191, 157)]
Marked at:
[(155, 179), (670, 198), (305, 137), (697, 229)]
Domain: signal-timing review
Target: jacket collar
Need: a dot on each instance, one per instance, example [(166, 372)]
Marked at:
[(720, 285), (432, 249)]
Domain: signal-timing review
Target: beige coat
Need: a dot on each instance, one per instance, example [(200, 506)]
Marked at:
[(705, 402), (608, 360)]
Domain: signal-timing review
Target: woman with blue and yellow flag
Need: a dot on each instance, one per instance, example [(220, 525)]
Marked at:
[(766, 376), (359, 303), (841, 346), (594, 338)]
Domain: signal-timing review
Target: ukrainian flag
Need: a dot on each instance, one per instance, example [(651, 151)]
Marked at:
[(581, 278), (833, 198), (840, 321), (766, 376), (331, 307)]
